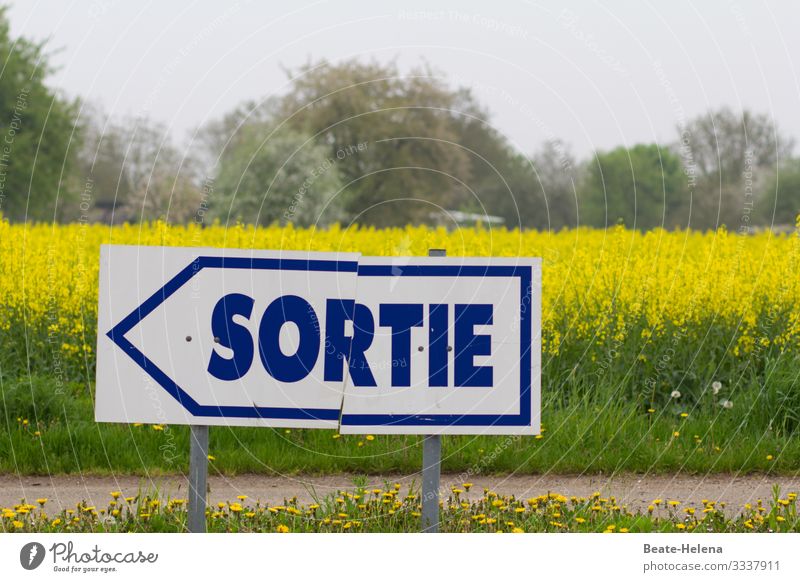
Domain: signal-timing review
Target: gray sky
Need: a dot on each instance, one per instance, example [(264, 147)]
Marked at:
[(596, 75)]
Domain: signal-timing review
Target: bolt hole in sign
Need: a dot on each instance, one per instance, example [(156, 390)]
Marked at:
[(319, 340)]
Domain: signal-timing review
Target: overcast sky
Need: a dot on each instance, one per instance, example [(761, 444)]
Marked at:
[(596, 75)]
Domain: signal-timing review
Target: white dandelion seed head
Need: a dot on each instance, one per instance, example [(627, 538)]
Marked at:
[(726, 404), (675, 394), (716, 386)]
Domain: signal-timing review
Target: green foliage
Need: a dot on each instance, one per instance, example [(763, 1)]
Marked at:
[(779, 204), (641, 187), (37, 142), (284, 178)]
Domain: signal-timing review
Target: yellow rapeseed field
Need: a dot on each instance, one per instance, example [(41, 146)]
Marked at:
[(600, 286)]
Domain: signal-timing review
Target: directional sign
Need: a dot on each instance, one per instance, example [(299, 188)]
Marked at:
[(445, 345), (221, 337), (291, 339)]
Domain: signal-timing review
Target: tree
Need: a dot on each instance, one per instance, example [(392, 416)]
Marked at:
[(779, 203), (286, 178), (641, 187), (37, 141), (557, 176), (728, 158), (392, 136), (136, 171)]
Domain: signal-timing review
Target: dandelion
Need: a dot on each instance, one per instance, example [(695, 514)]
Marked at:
[(727, 404), (41, 501), (466, 486), (684, 414), (282, 529), (337, 436), (17, 524), (716, 386), (370, 437), (676, 434), (212, 458), (770, 457), (157, 427), (675, 394)]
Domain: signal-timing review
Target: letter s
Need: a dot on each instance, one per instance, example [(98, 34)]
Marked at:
[(232, 335)]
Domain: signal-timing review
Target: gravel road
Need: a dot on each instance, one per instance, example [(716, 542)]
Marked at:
[(636, 491)]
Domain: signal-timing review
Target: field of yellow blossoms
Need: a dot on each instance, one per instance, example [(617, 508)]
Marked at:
[(600, 287), (661, 351)]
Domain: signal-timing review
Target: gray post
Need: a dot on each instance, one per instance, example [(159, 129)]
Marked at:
[(198, 474), (431, 465)]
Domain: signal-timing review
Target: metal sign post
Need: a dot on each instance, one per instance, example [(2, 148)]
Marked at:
[(431, 465), (198, 476)]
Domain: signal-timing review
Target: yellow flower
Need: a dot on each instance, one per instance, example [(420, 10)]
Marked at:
[(41, 501), (116, 494), (235, 507), (17, 524), (55, 522), (676, 434), (517, 530), (212, 458), (370, 437), (769, 457), (282, 529)]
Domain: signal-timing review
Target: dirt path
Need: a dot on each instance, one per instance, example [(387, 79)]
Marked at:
[(634, 490)]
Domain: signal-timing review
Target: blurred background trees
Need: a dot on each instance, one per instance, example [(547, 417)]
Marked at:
[(365, 142)]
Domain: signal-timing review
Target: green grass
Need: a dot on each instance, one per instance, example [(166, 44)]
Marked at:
[(583, 432), (607, 407)]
